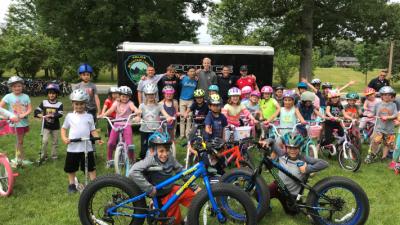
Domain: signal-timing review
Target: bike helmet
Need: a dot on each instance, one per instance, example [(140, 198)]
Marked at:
[(387, 90), (168, 90), (79, 95), (215, 99), (326, 85), (213, 87), (198, 93), (315, 81), (369, 91), (53, 87), (352, 95), (234, 92), (267, 89), (307, 96), (113, 90), (150, 89), (255, 93), (293, 139), (247, 90), (15, 79), (159, 139), (289, 94), (333, 93), (215, 144), (302, 85), (85, 68), (279, 88), (125, 90)]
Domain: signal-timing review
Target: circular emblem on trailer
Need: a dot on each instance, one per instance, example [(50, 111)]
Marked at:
[(136, 66)]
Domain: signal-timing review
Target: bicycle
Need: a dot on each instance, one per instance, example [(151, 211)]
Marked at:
[(7, 176), (310, 148), (344, 149), (323, 204), (197, 133), (125, 203), (366, 133)]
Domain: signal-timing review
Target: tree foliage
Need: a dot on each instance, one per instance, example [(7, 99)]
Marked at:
[(285, 66)]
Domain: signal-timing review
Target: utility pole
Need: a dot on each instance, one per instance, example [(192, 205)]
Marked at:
[(390, 59)]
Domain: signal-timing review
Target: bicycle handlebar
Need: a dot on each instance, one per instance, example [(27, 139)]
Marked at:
[(84, 139), (119, 120)]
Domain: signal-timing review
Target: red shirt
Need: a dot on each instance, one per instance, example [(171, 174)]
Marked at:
[(246, 81), (108, 102)]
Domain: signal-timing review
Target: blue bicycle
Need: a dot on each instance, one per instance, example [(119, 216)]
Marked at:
[(114, 199)]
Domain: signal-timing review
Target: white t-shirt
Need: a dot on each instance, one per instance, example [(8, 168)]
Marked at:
[(80, 125)]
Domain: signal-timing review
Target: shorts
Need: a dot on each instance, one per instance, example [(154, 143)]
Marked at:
[(74, 160), (388, 139), (20, 130)]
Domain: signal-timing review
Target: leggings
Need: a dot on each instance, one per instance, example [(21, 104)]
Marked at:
[(112, 141)]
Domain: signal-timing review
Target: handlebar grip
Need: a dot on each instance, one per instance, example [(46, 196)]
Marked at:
[(95, 138), (75, 140)]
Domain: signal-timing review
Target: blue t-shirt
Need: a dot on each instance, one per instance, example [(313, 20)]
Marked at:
[(18, 104), (187, 88), (217, 124)]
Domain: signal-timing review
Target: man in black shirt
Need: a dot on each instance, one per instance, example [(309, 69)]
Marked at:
[(225, 82), (169, 79), (380, 81)]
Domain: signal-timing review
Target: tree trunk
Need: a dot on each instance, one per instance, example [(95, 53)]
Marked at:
[(306, 44), (112, 72), (46, 73)]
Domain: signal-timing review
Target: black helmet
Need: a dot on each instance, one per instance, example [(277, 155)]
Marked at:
[(216, 144)]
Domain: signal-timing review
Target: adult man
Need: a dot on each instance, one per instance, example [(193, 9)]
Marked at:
[(225, 82), (149, 78), (206, 76), (380, 81), (169, 80), (246, 79)]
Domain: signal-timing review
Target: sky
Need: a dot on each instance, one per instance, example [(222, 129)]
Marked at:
[(203, 37)]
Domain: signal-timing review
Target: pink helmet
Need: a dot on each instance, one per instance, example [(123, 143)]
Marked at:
[(234, 91), (247, 90), (267, 89), (289, 94), (168, 90), (255, 93)]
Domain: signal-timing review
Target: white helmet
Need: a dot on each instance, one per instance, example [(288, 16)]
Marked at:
[(150, 89), (316, 81), (125, 90), (15, 79), (113, 89), (79, 95)]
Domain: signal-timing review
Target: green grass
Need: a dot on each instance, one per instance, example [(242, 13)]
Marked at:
[(40, 193)]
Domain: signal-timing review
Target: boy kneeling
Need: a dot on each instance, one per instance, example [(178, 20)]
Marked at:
[(157, 168)]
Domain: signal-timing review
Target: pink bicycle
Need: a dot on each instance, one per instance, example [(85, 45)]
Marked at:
[(7, 177)]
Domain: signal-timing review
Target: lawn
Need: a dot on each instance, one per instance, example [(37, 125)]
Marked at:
[(40, 193)]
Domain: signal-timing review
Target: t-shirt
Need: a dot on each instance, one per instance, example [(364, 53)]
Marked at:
[(50, 108), (252, 108), (306, 112), (246, 81), (217, 125), (353, 111), (287, 119), (174, 82), (233, 113), (123, 110), (377, 84), (385, 109), (199, 110), (108, 102), (206, 78), (322, 101), (187, 86), (91, 89), (268, 107), (336, 109), (150, 112), (18, 104), (80, 125), (153, 80), (224, 84)]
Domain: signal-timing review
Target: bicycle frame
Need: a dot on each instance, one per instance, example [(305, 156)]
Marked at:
[(198, 170), (235, 153)]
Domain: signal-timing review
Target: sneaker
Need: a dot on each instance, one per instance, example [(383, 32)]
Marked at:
[(392, 164), (15, 163), (72, 189)]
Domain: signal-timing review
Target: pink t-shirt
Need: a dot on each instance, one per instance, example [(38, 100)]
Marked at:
[(233, 112), (370, 105), (123, 110)]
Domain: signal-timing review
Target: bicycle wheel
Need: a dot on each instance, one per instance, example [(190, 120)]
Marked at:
[(338, 200), (349, 158), (106, 192), (6, 177), (234, 203), (243, 178), (120, 159)]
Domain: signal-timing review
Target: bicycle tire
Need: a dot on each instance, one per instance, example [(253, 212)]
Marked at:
[(261, 193), (120, 159), (322, 187), (219, 191), (354, 155), (124, 184), (6, 177)]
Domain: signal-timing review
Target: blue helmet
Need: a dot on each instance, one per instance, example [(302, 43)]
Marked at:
[(302, 85), (293, 139), (159, 139), (213, 88), (83, 68), (54, 87)]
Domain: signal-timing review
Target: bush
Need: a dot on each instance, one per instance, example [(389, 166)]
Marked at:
[(285, 66), (327, 61)]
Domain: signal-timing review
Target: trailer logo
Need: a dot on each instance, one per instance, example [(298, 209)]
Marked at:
[(136, 66)]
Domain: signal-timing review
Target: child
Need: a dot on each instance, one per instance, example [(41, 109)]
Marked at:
[(188, 85), (20, 105), (234, 109), (246, 90), (199, 109), (269, 107), (170, 106), (252, 105), (215, 121), (298, 165), (386, 111), (289, 113), (85, 72), (334, 110), (150, 112), (213, 89), (306, 107), (80, 124), (351, 110), (52, 110), (369, 105), (122, 109), (278, 95), (157, 168), (113, 95)]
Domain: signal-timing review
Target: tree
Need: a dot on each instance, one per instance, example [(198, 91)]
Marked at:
[(285, 66), (301, 25), (367, 57)]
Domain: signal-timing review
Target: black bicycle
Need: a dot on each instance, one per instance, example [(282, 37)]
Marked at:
[(332, 200)]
